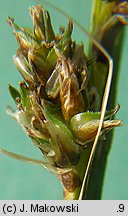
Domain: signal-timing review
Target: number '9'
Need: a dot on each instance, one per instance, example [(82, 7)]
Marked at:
[(121, 207)]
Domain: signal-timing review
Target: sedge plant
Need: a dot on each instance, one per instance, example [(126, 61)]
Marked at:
[(61, 102)]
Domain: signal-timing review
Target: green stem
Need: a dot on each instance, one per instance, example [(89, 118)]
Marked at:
[(79, 170), (116, 32)]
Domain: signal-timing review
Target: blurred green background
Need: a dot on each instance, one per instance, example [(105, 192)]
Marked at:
[(24, 181)]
